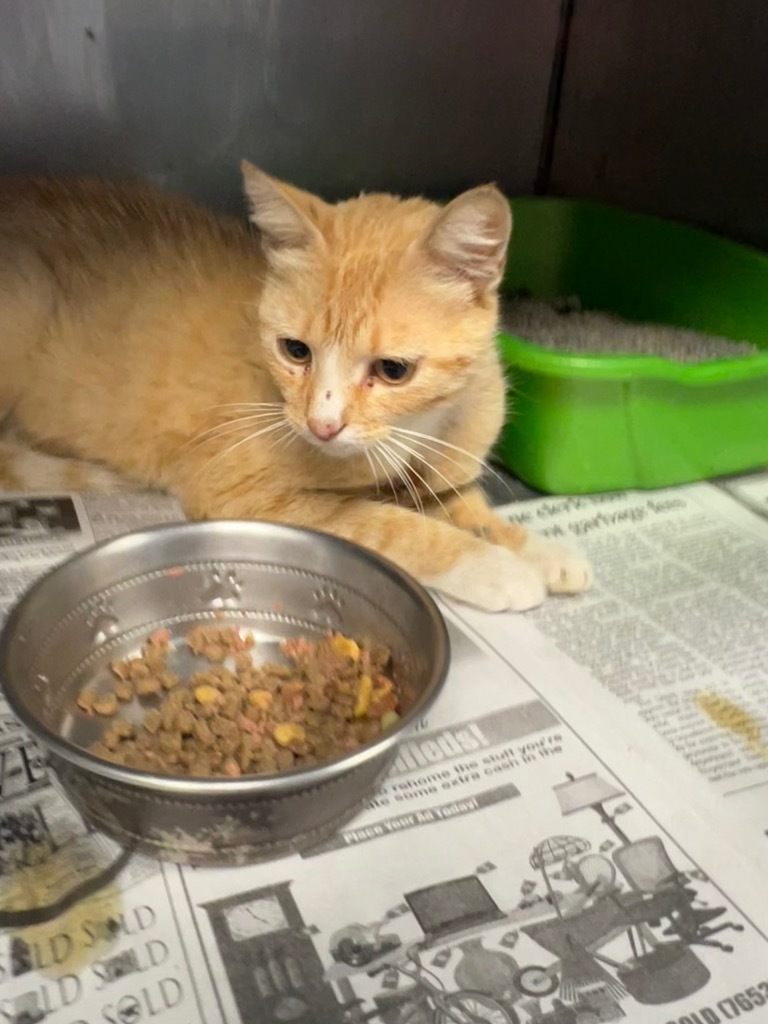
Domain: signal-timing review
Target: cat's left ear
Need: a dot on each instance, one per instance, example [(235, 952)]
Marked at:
[(286, 217), (469, 238)]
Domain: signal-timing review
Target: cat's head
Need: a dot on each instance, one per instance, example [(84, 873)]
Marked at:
[(375, 312)]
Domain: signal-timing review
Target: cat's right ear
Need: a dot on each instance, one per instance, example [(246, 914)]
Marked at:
[(468, 241), (285, 217)]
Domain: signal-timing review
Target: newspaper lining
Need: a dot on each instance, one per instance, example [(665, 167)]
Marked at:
[(575, 833)]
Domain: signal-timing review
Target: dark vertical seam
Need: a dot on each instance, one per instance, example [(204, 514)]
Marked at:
[(554, 95)]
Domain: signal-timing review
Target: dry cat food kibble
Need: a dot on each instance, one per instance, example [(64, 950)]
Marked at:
[(330, 696), (562, 325)]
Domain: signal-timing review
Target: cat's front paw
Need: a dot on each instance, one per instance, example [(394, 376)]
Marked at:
[(494, 579), (563, 571)]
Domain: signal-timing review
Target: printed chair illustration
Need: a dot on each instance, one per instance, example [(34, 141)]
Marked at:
[(647, 867), (594, 874)]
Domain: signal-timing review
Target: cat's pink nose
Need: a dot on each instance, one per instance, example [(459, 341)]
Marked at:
[(326, 430)]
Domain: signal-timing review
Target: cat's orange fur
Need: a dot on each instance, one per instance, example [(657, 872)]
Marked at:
[(138, 333)]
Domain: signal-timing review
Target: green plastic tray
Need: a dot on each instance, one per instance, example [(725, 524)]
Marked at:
[(588, 423)]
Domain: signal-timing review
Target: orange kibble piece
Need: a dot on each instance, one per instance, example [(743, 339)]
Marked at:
[(85, 700), (231, 768), (124, 690), (147, 686), (106, 704)]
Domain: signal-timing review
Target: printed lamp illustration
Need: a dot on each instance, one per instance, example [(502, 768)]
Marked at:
[(578, 794)]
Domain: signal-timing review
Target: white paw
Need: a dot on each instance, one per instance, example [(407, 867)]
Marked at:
[(494, 579), (564, 571)]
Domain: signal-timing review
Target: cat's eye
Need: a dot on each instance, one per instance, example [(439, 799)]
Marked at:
[(295, 350), (393, 371)]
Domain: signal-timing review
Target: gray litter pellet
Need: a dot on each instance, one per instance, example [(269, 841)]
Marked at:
[(563, 326)]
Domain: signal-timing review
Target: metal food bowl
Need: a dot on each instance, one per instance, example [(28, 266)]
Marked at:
[(277, 581)]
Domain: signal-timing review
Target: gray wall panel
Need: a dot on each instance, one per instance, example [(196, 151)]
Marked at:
[(665, 110), (338, 95)]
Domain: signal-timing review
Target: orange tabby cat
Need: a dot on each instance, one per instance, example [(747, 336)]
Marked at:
[(336, 368)]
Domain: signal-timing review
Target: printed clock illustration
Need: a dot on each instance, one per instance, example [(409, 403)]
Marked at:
[(256, 917), (270, 959)]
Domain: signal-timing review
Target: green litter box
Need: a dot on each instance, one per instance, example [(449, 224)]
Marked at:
[(585, 423)]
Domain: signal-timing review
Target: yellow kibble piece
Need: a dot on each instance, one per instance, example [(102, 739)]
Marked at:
[(288, 732), (207, 694), (346, 647), (261, 699), (364, 692), (388, 719)]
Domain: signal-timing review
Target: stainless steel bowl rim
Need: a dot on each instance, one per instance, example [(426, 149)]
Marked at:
[(256, 785)]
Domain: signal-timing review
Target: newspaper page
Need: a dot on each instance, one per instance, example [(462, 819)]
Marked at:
[(751, 490), (515, 866), (675, 630)]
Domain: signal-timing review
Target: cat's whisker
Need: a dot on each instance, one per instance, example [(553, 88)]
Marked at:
[(284, 441), (374, 474), (417, 455), (248, 405), (444, 444), (397, 466), (248, 418), (383, 466), (380, 460), (232, 426), (429, 447), (415, 434), (243, 416), (245, 440), (407, 472), (404, 470), (410, 484), (412, 469), (223, 429)]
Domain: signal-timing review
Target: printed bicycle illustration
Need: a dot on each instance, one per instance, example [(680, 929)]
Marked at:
[(427, 1001)]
